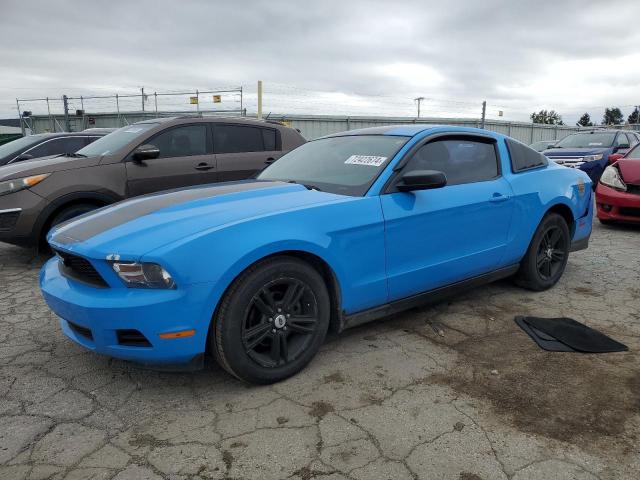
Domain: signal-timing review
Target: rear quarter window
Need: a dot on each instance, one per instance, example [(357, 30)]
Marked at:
[(523, 157)]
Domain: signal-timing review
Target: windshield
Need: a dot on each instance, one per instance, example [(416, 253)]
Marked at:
[(116, 140), (345, 165), (12, 148), (587, 140)]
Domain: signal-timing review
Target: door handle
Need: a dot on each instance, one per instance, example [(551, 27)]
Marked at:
[(270, 160), (498, 197), (203, 166)]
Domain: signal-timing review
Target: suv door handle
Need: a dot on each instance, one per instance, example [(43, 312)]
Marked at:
[(498, 197), (270, 160), (203, 166)]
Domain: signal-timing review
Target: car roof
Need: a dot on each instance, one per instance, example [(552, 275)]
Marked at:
[(211, 119), (84, 133), (408, 130), (605, 130), (98, 130)]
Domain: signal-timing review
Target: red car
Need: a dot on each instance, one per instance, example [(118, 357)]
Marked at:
[(618, 192)]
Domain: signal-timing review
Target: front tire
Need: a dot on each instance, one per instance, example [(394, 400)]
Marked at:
[(547, 255), (63, 215), (272, 321)]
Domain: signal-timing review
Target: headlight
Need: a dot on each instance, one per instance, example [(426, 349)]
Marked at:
[(143, 275), (611, 178), (592, 158), (11, 186)]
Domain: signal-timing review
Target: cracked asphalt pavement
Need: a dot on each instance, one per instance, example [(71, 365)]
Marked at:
[(453, 391)]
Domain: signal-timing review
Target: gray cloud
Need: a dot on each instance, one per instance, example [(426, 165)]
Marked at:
[(375, 52)]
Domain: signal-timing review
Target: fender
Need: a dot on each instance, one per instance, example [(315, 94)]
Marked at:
[(45, 214), (299, 246)]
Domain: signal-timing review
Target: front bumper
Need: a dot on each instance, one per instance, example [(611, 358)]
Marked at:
[(20, 229), (95, 317), (613, 205)]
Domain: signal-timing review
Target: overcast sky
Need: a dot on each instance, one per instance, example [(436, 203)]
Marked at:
[(326, 57)]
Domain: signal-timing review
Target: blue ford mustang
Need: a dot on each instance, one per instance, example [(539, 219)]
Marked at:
[(343, 230)]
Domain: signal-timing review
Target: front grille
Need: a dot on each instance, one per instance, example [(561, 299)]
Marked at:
[(80, 269), (132, 338), (573, 162), (8, 220), (82, 331), (630, 212), (635, 189)]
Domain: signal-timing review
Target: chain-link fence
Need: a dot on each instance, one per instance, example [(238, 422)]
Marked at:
[(75, 113)]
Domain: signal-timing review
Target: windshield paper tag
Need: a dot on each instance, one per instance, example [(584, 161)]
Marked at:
[(369, 160)]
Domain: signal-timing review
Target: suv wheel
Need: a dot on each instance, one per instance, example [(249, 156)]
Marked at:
[(62, 216)]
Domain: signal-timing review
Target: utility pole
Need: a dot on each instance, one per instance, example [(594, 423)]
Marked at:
[(418, 100), (259, 99), (67, 123), (484, 113), (142, 94)]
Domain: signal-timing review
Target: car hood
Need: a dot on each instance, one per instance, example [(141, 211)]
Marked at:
[(574, 152), (630, 170), (134, 227), (45, 165)]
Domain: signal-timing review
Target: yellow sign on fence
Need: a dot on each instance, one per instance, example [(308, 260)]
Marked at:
[(217, 99), (193, 100)]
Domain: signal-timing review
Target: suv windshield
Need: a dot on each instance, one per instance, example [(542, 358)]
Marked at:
[(345, 165), (11, 148), (116, 140), (587, 140)]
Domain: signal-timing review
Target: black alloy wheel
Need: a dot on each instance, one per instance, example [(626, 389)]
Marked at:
[(546, 258), (280, 322), (272, 320), (552, 251)]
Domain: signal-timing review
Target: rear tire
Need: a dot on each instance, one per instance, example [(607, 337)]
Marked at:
[(547, 255), (272, 321)]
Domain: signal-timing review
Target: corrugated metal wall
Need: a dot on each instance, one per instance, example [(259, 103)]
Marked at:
[(317, 126), (313, 126)]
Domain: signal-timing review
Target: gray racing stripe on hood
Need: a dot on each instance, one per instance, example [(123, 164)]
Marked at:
[(78, 231)]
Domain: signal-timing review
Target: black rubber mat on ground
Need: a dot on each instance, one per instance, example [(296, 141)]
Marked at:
[(567, 335)]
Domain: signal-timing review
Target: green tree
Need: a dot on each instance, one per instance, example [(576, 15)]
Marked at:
[(634, 117), (612, 116), (550, 117), (585, 121)]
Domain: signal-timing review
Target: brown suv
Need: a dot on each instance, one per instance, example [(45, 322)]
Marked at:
[(145, 157)]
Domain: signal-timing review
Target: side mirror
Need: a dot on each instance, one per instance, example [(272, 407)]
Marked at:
[(22, 156), (421, 180), (145, 152), (614, 157)]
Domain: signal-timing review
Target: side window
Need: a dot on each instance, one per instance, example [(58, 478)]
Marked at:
[(58, 146), (524, 157), (269, 138), (71, 145), (461, 160), (237, 139), (181, 141)]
